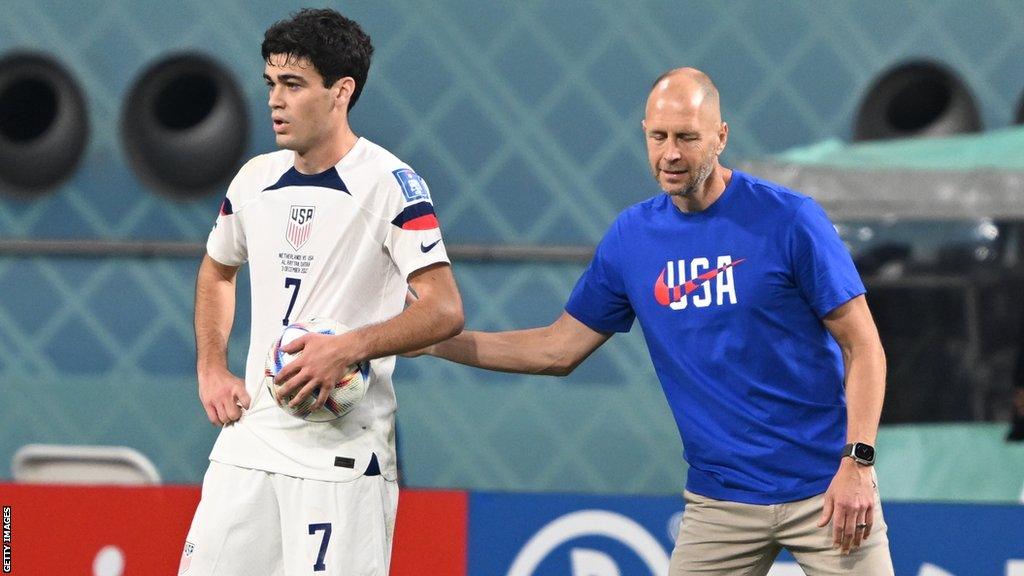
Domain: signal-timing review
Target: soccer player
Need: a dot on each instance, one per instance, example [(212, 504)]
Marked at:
[(758, 329), (332, 226)]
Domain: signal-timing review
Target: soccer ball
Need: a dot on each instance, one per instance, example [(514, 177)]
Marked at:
[(347, 392)]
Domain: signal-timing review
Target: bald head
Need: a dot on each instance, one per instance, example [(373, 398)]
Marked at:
[(686, 87), (685, 134)]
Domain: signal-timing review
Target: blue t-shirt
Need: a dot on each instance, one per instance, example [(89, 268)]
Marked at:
[(730, 301)]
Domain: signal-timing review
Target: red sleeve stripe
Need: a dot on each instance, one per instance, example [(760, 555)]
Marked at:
[(428, 222), (419, 216)]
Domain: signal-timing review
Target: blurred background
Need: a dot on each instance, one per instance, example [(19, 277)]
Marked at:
[(121, 123)]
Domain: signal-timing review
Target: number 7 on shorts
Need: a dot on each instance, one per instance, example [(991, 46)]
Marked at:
[(313, 529)]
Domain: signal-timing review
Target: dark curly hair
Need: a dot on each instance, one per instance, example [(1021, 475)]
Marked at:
[(335, 45)]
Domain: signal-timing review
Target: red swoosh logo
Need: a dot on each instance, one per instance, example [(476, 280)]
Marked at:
[(665, 295)]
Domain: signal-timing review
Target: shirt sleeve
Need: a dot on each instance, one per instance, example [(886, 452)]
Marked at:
[(599, 299), (822, 266), (414, 234), (226, 243)]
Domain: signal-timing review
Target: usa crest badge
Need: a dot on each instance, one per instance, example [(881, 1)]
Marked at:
[(300, 225)]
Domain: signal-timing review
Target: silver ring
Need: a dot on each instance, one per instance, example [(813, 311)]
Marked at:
[(861, 526)]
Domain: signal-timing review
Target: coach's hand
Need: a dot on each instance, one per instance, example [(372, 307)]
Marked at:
[(223, 396), (849, 504), (324, 361)]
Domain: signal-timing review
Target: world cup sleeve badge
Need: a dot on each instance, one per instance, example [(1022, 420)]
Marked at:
[(413, 187)]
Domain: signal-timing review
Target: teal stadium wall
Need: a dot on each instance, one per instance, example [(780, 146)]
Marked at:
[(524, 119)]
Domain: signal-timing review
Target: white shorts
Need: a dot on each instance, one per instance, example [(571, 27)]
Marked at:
[(253, 522)]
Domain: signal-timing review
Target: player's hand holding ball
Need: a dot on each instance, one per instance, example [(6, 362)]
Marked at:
[(312, 373)]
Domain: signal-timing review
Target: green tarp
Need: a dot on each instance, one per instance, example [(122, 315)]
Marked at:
[(1000, 149), (962, 462), (953, 178)]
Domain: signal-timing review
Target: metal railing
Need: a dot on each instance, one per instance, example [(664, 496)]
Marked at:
[(164, 249)]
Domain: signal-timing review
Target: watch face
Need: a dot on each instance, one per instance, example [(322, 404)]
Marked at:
[(863, 452)]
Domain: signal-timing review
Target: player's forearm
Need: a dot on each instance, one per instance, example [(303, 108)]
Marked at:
[(521, 351), (865, 391), (214, 315), (420, 325)]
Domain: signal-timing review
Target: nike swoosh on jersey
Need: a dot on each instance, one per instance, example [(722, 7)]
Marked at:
[(428, 247), (665, 295)]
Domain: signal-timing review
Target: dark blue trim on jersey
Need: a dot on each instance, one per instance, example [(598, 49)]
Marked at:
[(412, 212), (225, 207), (327, 179), (373, 469)]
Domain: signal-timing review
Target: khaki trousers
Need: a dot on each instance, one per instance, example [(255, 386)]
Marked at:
[(729, 538)]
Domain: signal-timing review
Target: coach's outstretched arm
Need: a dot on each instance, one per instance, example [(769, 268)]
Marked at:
[(555, 350), (434, 316), (220, 391)]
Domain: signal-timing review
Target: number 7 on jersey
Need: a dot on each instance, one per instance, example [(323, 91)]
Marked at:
[(291, 283)]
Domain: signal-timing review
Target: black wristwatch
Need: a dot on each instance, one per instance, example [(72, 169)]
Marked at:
[(861, 453)]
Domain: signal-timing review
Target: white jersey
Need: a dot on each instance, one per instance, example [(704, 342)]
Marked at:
[(339, 244)]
